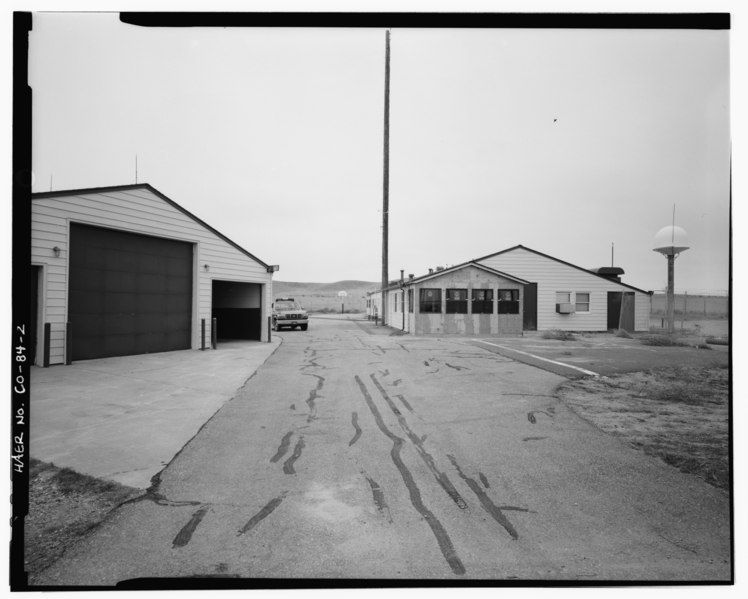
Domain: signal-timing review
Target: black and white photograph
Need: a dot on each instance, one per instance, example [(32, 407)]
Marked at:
[(308, 300)]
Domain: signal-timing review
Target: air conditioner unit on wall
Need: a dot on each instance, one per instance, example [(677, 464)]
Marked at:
[(565, 308)]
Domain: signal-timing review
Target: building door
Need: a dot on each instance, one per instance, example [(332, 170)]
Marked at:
[(128, 293), (530, 308), (621, 310)]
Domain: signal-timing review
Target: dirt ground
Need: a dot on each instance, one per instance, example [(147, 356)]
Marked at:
[(63, 508), (696, 327), (678, 414)]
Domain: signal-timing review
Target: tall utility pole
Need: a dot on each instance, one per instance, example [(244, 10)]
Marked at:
[(386, 193)]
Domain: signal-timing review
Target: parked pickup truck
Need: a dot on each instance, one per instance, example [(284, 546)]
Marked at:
[(288, 313)]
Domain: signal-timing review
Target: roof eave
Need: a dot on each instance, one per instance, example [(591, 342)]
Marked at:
[(153, 190)]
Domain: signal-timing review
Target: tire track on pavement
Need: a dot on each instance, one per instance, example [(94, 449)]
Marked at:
[(440, 533), (428, 459), (262, 514), (185, 535)]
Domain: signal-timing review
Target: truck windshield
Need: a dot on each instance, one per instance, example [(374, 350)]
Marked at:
[(287, 306)]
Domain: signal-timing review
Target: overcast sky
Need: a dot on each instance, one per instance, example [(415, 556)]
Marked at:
[(565, 141)]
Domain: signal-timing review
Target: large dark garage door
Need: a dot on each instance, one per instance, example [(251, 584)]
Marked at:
[(129, 294)]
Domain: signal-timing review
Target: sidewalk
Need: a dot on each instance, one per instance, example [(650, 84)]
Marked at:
[(376, 328), (125, 418)]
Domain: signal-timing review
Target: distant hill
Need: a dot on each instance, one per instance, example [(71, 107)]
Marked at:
[(323, 297)]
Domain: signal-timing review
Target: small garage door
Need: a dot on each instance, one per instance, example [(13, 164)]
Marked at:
[(129, 294)]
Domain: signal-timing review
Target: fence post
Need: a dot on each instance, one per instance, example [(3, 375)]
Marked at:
[(214, 333), (47, 335), (68, 343), (202, 334)]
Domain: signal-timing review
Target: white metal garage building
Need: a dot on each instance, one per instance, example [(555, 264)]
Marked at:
[(125, 270)]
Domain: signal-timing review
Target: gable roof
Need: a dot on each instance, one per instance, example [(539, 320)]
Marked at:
[(156, 192), (457, 267), (589, 272)]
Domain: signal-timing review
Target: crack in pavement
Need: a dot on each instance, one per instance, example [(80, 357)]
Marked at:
[(378, 496), (283, 447), (354, 421), (288, 464), (313, 395)]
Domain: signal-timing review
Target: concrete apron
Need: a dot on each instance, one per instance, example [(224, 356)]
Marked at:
[(125, 418)]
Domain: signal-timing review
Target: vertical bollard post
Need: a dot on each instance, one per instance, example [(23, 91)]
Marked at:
[(68, 343), (202, 334), (47, 335), (214, 333)]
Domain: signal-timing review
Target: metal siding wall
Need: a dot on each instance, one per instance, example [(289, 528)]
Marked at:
[(552, 276)]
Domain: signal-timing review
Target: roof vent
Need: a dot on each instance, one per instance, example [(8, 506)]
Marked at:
[(439, 268), (609, 272)]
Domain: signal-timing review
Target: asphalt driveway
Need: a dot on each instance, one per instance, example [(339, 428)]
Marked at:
[(376, 456)]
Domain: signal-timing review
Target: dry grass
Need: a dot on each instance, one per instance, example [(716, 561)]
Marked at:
[(558, 335), (662, 341), (677, 414)]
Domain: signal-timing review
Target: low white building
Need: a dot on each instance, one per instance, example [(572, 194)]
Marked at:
[(549, 294), (125, 270)]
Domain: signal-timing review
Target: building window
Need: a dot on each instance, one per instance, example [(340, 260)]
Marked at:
[(482, 301), (431, 301), (456, 301), (508, 301), (582, 301), (410, 300)]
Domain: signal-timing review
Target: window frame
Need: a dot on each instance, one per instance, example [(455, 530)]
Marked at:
[(577, 303), (507, 306), (425, 306), (456, 306), (488, 301)]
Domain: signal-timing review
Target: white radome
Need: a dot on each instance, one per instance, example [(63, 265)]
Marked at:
[(671, 240)]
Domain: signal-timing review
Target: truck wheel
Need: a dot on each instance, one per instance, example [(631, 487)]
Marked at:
[(304, 327)]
